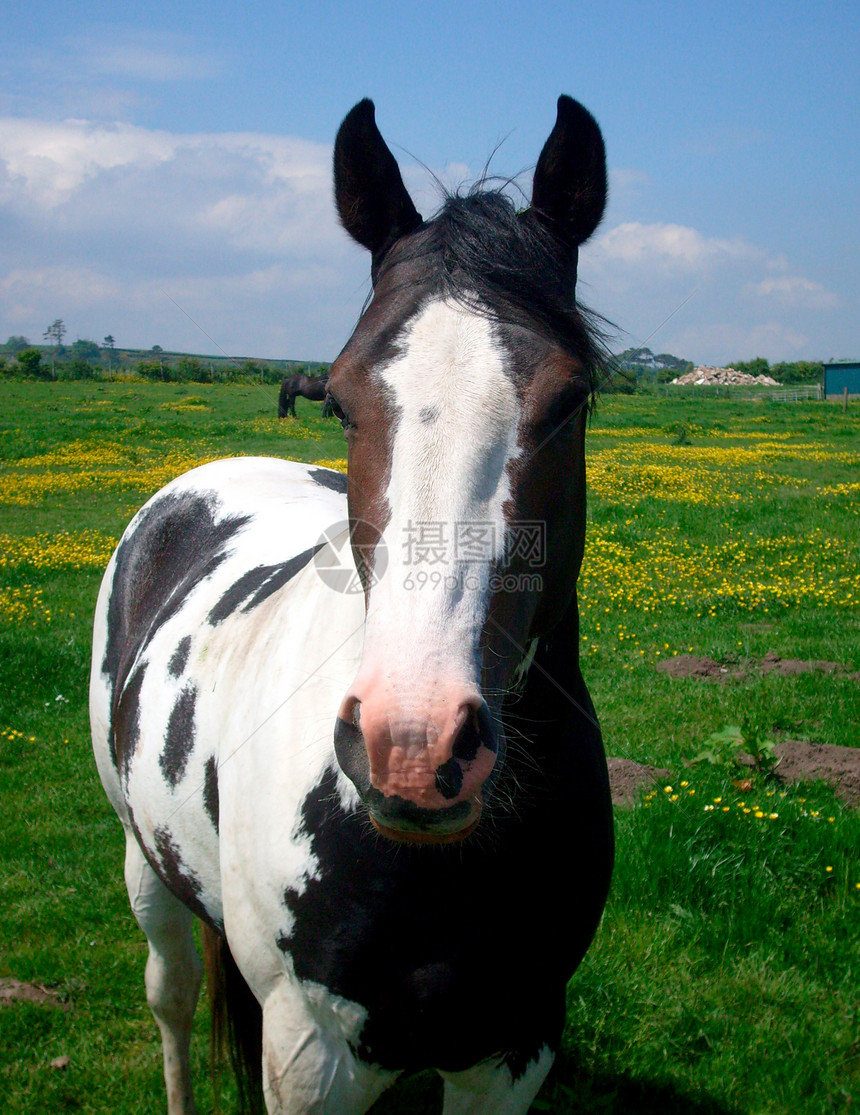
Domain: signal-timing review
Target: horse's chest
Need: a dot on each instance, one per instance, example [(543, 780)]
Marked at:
[(448, 954)]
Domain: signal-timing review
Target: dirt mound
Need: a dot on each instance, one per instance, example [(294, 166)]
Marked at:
[(839, 767), (690, 666), (799, 761), (626, 776), (772, 663), (14, 991)]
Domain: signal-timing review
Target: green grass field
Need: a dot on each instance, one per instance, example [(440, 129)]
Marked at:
[(725, 977)]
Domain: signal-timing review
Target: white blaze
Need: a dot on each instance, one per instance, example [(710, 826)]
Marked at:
[(455, 436)]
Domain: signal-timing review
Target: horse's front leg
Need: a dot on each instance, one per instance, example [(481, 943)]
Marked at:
[(492, 1088), (173, 971), (308, 1065)]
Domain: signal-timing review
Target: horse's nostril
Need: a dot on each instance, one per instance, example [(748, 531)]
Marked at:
[(476, 731), (350, 749), (468, 739), (356, 714)]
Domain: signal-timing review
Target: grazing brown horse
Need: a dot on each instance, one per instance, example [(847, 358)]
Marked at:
[(309, 387), (343, 720)]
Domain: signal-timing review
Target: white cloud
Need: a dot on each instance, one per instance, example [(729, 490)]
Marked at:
[(795, 290), (669, 247), (45, 163), (708, 298), (53, 161)]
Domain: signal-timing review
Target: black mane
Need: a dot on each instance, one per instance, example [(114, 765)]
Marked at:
[(482, 252)]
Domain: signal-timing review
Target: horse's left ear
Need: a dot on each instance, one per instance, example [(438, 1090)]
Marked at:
[(569, 191), (372, 201)]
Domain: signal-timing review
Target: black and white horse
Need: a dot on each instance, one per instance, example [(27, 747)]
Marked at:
[(309, 387), (343, 722)]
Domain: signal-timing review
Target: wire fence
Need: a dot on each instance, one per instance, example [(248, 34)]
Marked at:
[(738, 393)]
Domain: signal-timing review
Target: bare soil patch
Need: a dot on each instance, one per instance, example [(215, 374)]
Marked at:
[(799, 761), (14, 991), (690, 666), (708, 669), (772, 663), (839, 767), (626, 776)]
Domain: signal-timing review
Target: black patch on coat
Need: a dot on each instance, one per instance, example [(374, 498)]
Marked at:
[(125, 723), (257, 585), (429, 414), (210, 790), (176, 544), (328, 478), (179, 737), (179, 658), (176, 875)]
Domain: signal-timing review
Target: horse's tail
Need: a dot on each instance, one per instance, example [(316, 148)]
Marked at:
[(237, 1023)]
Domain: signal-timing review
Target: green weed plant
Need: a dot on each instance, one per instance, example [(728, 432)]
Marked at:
[(735, 743)]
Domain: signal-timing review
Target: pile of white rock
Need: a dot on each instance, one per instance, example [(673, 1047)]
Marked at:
[(730, 377)]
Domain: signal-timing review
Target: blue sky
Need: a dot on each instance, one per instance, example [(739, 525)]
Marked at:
[(161, 152)]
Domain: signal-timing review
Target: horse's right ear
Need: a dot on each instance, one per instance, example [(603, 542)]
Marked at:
[(372, 201)]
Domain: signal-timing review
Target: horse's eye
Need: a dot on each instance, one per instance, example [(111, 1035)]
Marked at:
[(337, 410), (566, 406)]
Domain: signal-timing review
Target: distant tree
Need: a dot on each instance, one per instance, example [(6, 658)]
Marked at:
[(77, 368), (55, 332), (644, 362), (108, 344), (16, 344), (801, 371), (83, 349), (190, 368), (757, 367), (621, 382), (30, 362), (149, 369), (675, 363), (157, 350)]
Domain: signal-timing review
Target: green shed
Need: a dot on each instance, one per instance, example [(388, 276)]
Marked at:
[(838, 376)]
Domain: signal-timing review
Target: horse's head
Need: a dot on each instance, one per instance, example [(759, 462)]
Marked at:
[(463, 393)]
